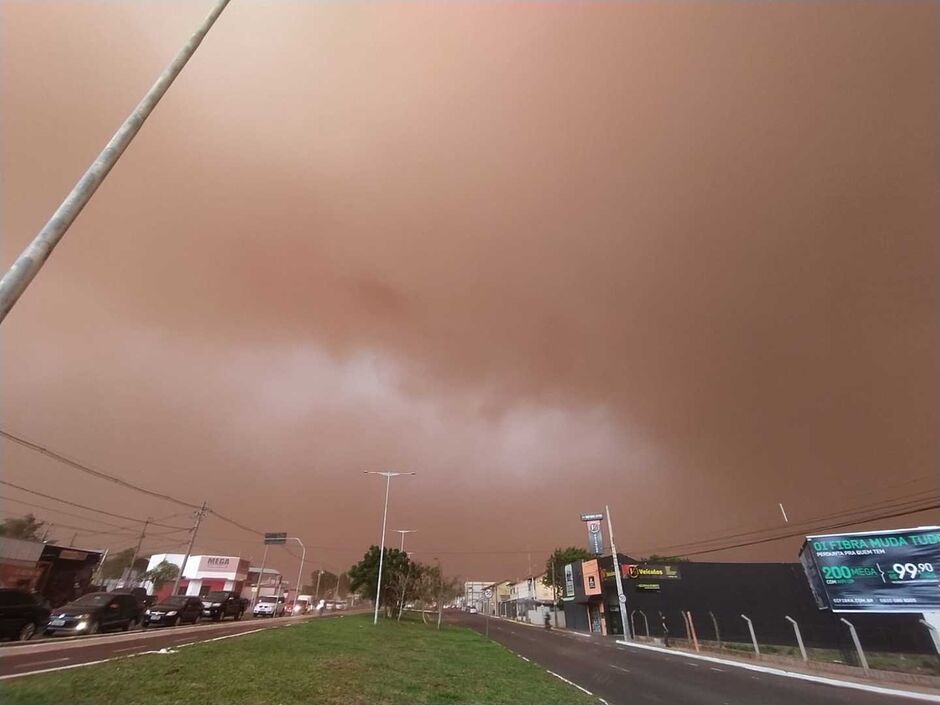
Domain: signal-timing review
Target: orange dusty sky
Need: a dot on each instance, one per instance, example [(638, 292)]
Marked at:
[(679, 258)]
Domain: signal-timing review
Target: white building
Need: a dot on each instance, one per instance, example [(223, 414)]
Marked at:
[(203, 574)]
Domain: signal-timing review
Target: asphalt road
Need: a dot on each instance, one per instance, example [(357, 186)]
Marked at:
[(23, 658), (622, 675)]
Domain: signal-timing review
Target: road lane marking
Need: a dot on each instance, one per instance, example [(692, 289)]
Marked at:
[(523, 657), (871, 688), (721, 670), (129, 648), (56, 668), (583, 690), (620, 668), (40, 663), (693, 665)]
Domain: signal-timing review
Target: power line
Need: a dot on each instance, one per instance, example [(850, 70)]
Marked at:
[(82, 506), (58, 511), (91, 471), (890, 505)]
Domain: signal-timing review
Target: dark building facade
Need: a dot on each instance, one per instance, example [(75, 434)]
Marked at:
[(717, 594)]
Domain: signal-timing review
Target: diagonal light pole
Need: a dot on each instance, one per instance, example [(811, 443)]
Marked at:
[(388, 481), (27, 266), (403, 532)]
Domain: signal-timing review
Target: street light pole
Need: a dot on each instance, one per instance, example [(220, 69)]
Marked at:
[(388, 481), (27, 266), (300, 573), (621, 598), (403, 532)]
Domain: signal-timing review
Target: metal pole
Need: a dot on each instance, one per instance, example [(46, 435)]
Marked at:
[(30, 261), (189, 549), (300, 573), (264, 559), (378, 586), (750, 626), (622, 599), (799, 637), (319, 575), (858, 645), (646, 623), (143, 532), (692, 628), (554, 593), (72, 541), (717, 633)]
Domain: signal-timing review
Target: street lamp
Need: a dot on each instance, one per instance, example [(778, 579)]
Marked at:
[(388, 481), (403, 532), (300, 574)]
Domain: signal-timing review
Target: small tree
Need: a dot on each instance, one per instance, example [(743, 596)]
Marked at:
[(558, 560), (28, 528), (161, 574), (115, 565), (363, 577)]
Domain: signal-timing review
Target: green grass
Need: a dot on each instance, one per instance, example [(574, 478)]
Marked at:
[(341, 660)]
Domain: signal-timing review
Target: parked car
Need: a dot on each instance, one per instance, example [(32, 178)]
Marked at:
[(268, 607), (94, 612), (223, 603), (173, 611), (339, 606), (21, 615), (139, 593)]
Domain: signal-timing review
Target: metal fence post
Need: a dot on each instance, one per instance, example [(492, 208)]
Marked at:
[(799, 637), (858, 644), (750, 626), (646, 623), (692, 628), (717, 633)]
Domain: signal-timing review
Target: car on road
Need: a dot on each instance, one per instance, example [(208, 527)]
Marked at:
[(95, 612), (140, 593), (268, 607), (223, 603), (173, 611), (21, 615), (339, 606)]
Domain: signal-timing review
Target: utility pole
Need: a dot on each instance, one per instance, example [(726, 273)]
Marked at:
[(45, 533), (257, 595), (319, 575), (554, 593), (27, 266), (621, 598), (143, 532), (192, 539), (72, 541)]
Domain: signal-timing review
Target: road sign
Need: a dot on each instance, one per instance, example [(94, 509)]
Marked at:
[(875, 571), (275, 537), (592, 517), (487, 593), (622, 598)]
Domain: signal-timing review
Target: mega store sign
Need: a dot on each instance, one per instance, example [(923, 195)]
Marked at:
[(875, 571), (219, 564)]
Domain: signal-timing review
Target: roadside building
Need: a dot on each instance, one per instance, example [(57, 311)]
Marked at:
[(662, 597), (530, 600), (268, 584), (203, 574), (58, 573), (473, 594)]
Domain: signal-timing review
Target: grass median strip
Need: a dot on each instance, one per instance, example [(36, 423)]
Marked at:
[(343, 660)]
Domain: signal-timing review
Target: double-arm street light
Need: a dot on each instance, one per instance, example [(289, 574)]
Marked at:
[(388, 481), (403, 532)]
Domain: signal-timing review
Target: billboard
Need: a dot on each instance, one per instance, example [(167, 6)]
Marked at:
[(218, 564), (650, 571), (595, 533), (875, 571), (591, 576)]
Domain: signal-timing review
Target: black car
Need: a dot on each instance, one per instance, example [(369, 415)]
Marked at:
[(221, 604), (21, 615), (174, 610), (143, 599), (94, 612)]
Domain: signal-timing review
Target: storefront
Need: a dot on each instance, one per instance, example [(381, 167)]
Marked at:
[(590, 596), (203, 574), (57, 573)]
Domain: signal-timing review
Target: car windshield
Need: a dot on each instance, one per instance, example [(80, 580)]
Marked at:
[(266, 599), (95, 599), (215, 596)]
